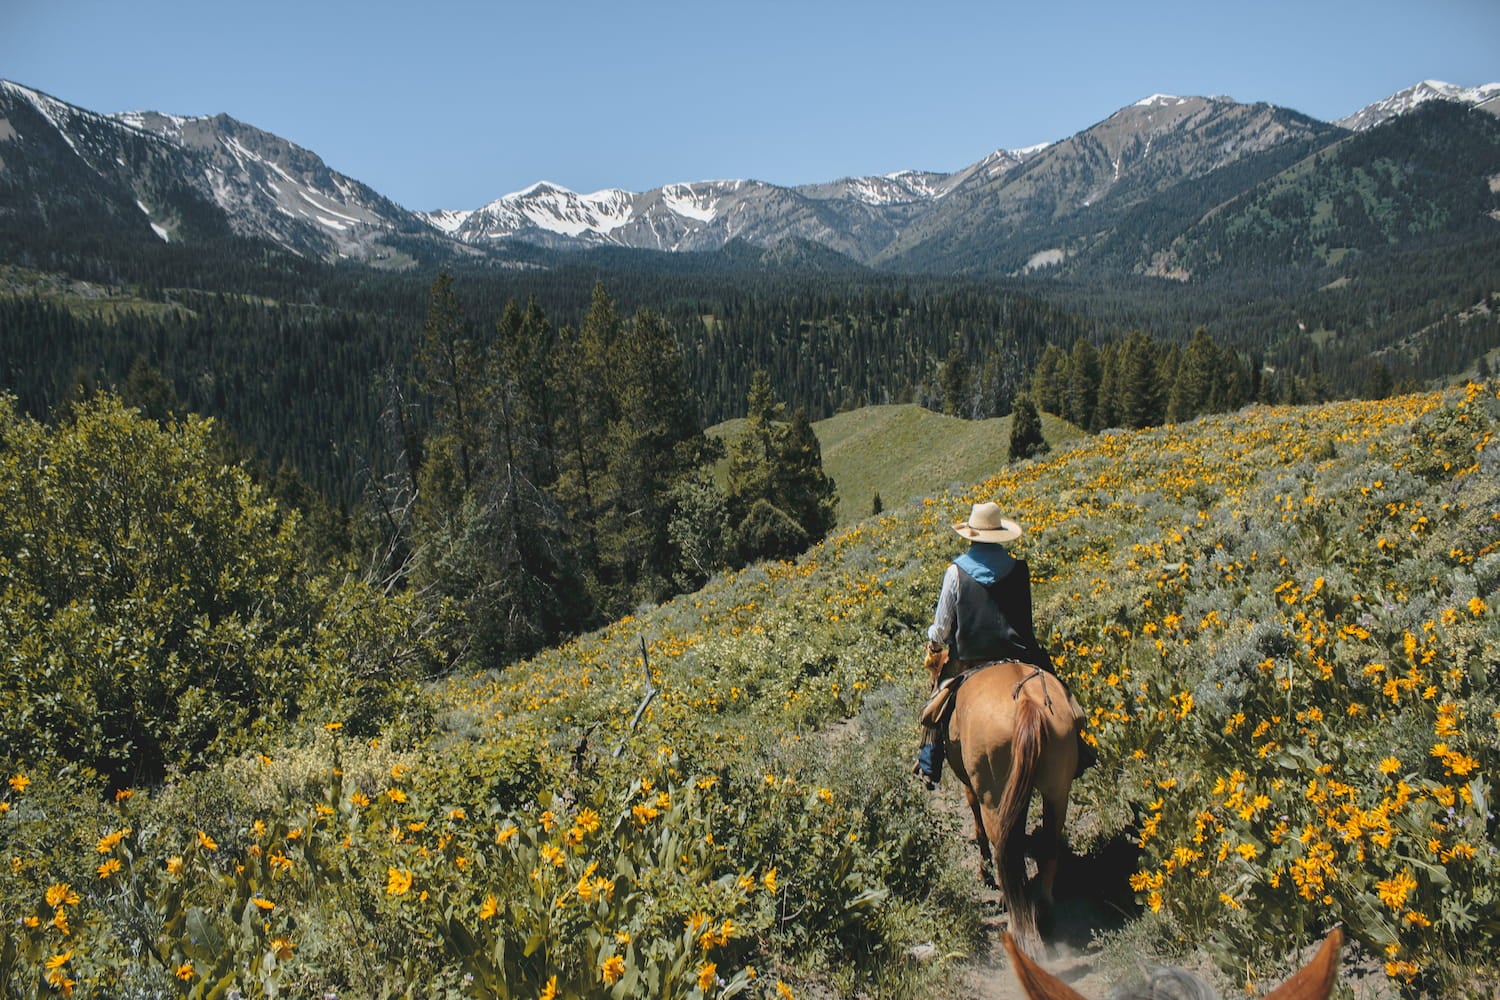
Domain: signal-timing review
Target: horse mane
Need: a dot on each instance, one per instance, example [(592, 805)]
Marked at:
[(1314, 981)]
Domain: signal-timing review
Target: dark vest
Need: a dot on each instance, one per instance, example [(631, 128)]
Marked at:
[(994, 622)]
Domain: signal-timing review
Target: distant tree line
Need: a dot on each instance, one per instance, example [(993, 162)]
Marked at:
[(549, 479)]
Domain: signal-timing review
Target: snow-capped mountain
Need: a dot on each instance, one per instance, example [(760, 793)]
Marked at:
[(160, 177), (853, 215), (1486, 97), (192, 178)]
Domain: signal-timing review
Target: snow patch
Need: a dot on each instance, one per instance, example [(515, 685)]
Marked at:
[(684, 201), (1161, 101)]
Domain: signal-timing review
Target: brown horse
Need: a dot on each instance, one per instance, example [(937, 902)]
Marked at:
[(1013, 731), (1314, 981)]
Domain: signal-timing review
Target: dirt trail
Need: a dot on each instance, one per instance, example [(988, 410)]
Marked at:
[(1078, 914)]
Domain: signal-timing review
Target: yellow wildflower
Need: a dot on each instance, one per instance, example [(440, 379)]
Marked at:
[(707, 973), (110, 867), (613, 969), (490, 908), (397, 881), (1393, 891), (61, 893), (108, 842), (184, 971)]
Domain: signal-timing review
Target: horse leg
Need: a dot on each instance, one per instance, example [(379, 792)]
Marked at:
[(1048, 848), (982, 840)]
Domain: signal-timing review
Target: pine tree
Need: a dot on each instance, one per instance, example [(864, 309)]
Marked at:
[(1084, 375), (802, 488), (1049, 382), (776, 480), (956, 384), (1026, 438), (1138, 387)]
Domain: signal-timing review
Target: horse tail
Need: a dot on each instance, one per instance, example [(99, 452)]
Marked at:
[(1026, 751)]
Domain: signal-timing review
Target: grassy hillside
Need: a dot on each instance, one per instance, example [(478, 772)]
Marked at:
[(905, 453), (1282, 622)]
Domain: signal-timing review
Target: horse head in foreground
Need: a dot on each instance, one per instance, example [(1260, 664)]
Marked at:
[(1314, 981), (1012, 731)]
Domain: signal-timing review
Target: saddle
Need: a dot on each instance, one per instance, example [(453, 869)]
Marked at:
[(940, 705)]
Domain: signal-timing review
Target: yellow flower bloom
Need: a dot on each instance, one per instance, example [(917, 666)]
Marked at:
[(707, 973), (206, 842), (282, 948), (58, 961), (769, 881), (110, 867), (490, 908), (613, 969), (1393, 891), (262, 904), (549, 992), (1390, 765), (61, 893), (18, 784), (174, 866), (184, 971), (784, 991), (108, 842), (397, 881)]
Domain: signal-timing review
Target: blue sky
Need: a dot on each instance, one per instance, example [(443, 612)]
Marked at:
[(452, 104)]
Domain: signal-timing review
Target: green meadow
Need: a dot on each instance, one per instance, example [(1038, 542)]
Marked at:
[(1282, 622)]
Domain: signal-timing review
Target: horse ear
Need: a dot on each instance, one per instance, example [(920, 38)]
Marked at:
[(1038, 983), (1314, 981)]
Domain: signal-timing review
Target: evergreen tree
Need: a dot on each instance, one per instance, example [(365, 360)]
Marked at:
[(1083, 385), (1049, 384), (776, 480), (956, 384), (1198, 377), (1026, 438), (653, 441), (802, 488), (1107, 410), (1378, 384), (1138, 387)]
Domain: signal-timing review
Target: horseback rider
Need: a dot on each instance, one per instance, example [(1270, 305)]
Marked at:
[(984, 607)]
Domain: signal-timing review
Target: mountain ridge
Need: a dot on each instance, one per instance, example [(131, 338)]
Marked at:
[(166, 177)]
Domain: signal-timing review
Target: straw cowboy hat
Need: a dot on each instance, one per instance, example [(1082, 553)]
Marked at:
[(986, 525)]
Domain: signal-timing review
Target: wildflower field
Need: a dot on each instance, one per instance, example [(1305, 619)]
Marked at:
[(1282, 621)]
